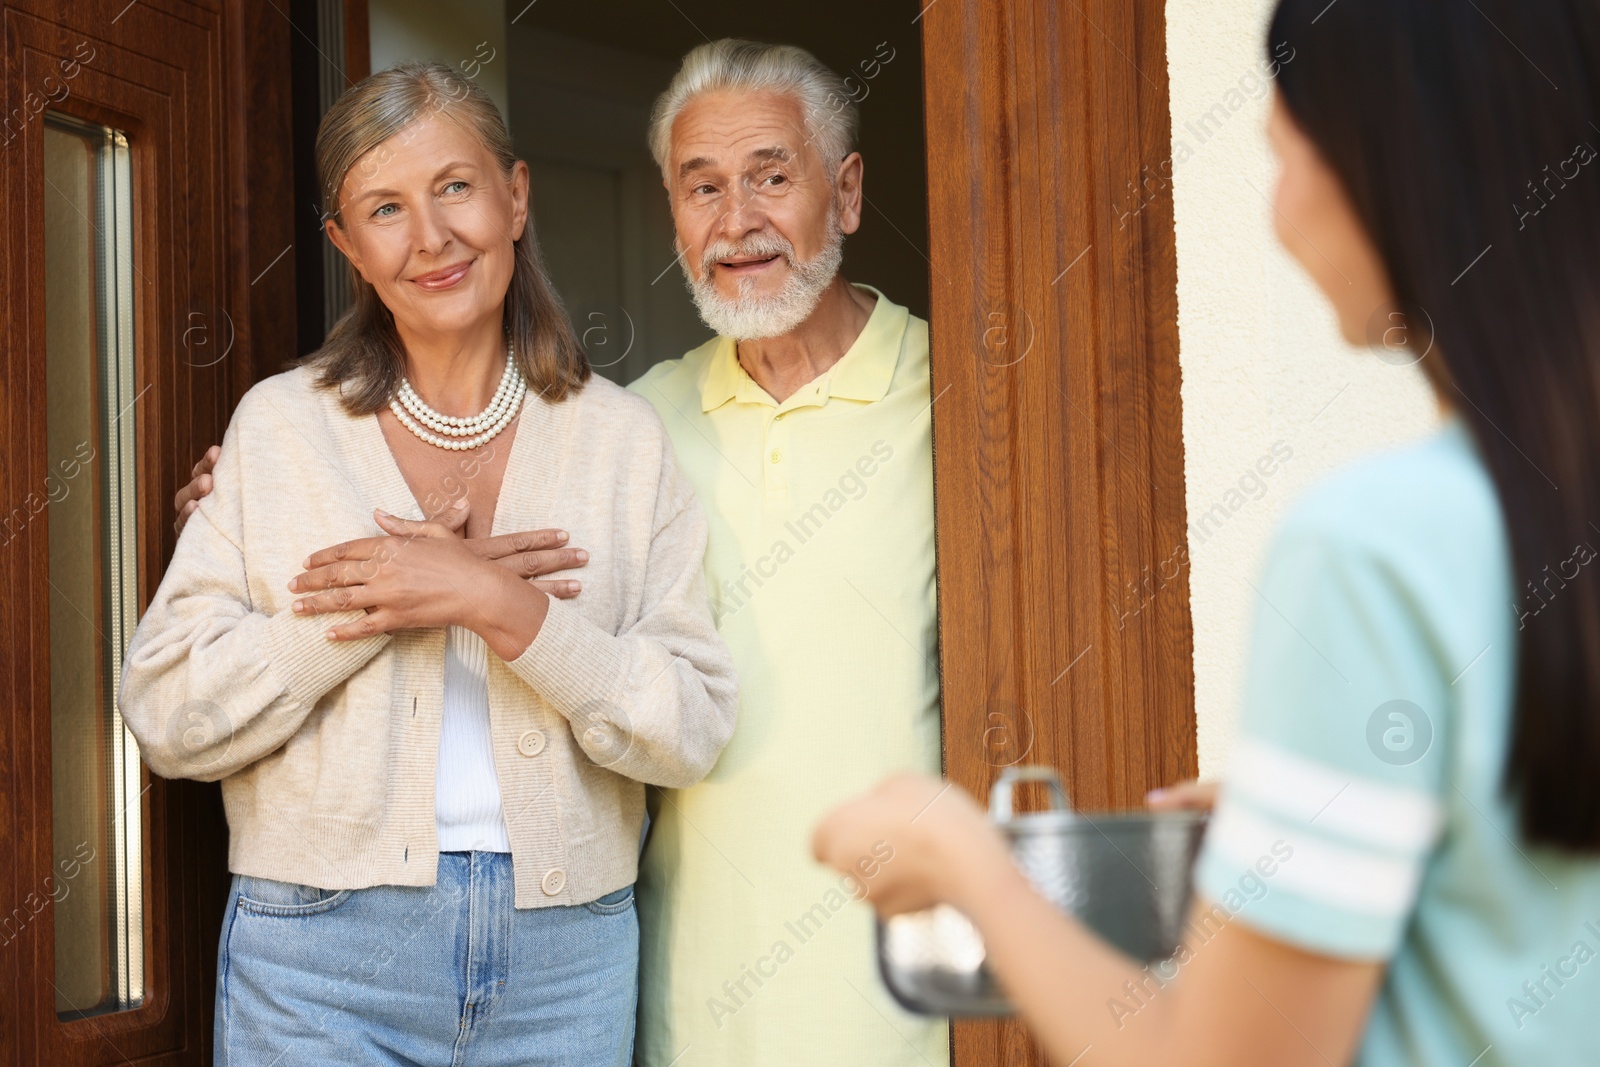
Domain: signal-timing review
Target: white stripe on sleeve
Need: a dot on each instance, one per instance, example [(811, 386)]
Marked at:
[(1336, 875), (1300, 790)]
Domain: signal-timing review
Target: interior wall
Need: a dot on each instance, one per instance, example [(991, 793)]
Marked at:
[(467, 34), (579, 112), (1273, 400)]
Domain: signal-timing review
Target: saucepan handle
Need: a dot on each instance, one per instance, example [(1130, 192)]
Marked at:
[(1000, 795)]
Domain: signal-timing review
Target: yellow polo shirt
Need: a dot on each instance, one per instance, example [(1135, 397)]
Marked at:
[(821, 575)]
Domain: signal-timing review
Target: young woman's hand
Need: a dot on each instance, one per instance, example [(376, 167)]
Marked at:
[(940, 848), (1192, 795), (423, 575)]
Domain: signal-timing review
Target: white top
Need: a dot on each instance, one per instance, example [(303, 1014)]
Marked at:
[(466, 789)]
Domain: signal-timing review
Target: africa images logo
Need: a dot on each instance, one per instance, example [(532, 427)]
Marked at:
[(1399, 733)]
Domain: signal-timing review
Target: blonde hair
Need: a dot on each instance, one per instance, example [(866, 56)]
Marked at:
[(830, 113), (363, 350)]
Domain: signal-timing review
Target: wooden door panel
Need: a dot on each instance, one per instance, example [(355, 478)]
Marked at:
[(1058, 455), (152, 101), (207, 129)]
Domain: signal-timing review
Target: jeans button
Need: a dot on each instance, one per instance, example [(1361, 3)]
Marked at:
[(531, 743), (553, 882)]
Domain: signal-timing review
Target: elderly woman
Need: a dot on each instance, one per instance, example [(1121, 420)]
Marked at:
[(433, 767)]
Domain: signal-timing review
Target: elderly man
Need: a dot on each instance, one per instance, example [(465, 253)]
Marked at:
[(804, 427)]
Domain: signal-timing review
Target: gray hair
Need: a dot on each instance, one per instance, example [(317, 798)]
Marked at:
[(830, 112)]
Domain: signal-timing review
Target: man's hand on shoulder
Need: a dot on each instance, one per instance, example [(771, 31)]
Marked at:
[(200, 484)]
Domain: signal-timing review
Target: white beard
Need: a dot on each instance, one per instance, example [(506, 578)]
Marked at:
[(747, 317)]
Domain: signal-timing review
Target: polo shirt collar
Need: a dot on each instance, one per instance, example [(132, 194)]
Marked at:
[(863, 373)]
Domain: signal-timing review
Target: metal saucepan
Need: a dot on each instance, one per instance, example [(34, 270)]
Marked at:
[(1125, 876)]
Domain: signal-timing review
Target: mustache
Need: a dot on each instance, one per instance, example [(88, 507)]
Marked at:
[(757, 245)]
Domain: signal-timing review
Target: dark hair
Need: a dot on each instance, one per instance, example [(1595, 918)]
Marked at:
[(363, 349), (1464, 134)]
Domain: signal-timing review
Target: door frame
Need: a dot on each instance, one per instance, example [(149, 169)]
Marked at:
[(1064, 628)]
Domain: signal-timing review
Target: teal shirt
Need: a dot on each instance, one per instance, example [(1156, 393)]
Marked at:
[(1363, 815)]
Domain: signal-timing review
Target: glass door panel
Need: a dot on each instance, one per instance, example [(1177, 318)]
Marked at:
[(97, 832)]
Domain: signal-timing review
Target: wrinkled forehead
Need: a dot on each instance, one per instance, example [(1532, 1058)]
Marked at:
[(730, 131), (414, 155)]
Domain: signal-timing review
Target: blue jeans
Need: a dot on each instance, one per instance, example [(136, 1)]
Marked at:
[(447, 976)]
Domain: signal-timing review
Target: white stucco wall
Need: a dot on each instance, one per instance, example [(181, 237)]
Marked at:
[(1262, 360), (469, 35)]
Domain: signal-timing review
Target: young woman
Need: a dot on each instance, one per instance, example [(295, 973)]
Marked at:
[(433, 771), (1405, 857)]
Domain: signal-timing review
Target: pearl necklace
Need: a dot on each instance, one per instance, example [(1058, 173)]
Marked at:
[(461, 434)]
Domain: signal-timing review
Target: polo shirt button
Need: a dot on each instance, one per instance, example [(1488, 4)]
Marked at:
[(777, 455), (553, 882), (531, 743)]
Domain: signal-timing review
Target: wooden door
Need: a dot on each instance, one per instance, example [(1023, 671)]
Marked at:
[(146, 215), (1058, 451)]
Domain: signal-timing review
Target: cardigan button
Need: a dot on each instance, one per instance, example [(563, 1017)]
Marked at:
[(553, 882), (531, 743)]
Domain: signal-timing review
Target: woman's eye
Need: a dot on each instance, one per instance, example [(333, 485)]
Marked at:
[(456, 187), (385, 211)]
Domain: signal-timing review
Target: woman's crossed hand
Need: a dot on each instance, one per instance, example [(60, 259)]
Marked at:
[(425, 574)]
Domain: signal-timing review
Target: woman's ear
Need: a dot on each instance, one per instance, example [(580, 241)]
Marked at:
[(521, 199), (341, 241)]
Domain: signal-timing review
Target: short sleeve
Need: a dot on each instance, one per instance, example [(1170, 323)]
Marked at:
[(1332, 802)]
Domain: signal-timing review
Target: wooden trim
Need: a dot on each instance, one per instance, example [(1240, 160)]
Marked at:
[(357, 41), (1058, 451), (262, 195)]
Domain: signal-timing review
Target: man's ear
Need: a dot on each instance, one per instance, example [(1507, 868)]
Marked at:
[(847, 187), (341, 241)]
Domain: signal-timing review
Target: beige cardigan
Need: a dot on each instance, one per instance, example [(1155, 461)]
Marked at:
[(327, 751)]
